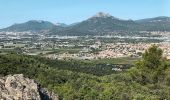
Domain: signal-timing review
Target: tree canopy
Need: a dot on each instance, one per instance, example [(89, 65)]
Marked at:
[(148, 79)]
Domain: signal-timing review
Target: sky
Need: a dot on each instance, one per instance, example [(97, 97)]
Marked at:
[(71, 11)]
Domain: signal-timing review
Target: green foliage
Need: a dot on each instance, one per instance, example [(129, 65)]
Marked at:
[(147, 80), (151, 67)]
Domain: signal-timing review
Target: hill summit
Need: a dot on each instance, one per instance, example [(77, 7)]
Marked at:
[(102, 14)]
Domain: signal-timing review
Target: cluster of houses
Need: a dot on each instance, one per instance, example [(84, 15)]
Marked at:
[(88, 49), (112, 50)]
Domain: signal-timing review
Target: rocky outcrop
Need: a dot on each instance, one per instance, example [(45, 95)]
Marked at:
[(17, 87)]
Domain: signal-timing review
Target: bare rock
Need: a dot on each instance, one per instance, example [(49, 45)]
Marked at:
[(17, 87)]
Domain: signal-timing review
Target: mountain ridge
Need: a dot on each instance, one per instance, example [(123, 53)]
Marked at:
[(99, 24), (32, 25)]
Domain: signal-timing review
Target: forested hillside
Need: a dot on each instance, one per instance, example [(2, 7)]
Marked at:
[(148, 79)]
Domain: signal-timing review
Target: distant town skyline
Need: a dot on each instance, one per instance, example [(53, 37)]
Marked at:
[(71, 11)]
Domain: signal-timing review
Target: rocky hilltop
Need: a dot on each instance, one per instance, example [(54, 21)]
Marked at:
[(17, 87)]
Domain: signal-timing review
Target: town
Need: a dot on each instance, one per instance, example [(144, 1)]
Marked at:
[(82, 47)]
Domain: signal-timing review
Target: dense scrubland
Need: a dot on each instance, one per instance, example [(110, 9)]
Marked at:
[(147, 78)]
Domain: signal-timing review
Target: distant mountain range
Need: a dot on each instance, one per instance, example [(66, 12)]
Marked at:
[(99, 24), (33, 25), (155, 24)]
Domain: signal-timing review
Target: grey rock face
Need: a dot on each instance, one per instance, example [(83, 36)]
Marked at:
[(17, 87)]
